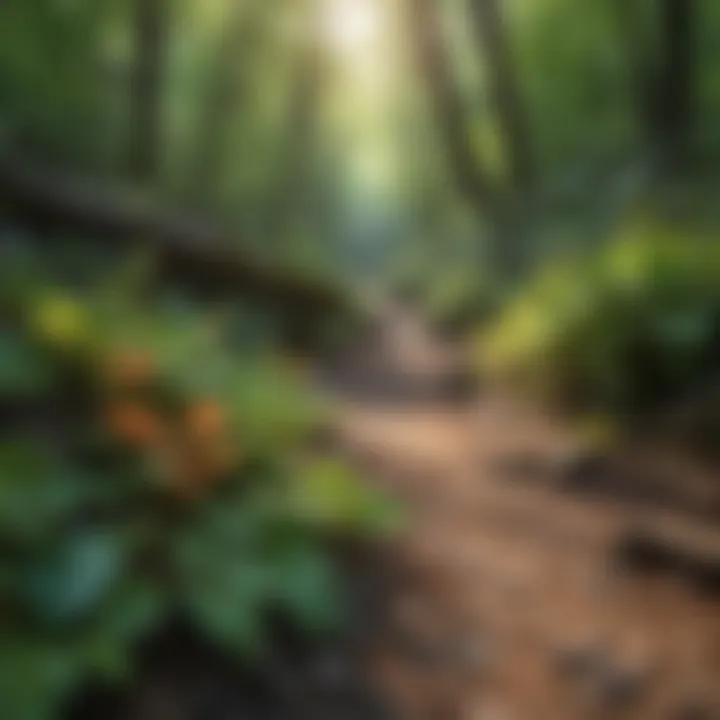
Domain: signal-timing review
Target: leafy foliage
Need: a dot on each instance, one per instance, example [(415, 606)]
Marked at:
[(147, 466), (623, 328)]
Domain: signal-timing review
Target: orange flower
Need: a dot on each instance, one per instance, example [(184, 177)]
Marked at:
[(205, 420), (131, 368), (136, 424)]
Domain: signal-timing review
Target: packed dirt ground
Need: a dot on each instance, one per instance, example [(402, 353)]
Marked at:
[(521, 594)]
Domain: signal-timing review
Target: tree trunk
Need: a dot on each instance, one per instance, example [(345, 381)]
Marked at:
[(188, 249), (150, 28), (491, 35), (505, 223), (674, 98), (224, 95), (638, 51), (430, 47), (294, 183)]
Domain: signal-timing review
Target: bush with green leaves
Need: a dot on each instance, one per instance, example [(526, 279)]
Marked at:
[(149, 469), (624, 329)]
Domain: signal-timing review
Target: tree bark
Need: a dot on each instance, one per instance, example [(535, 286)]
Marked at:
[(145, 131), (430, 47), (491, 35), (500, 208), (225, 93), (299, 146), (187, 248), (674, 99), (638, 55)]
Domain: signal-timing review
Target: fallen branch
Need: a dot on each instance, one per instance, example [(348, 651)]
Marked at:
[(187, 248)]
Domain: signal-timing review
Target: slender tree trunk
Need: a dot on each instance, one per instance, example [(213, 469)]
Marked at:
[(150, 28), (506, 231), (224, 96), (434, 65), (295, 181), (188, 248), (491, 35), (673, 113), (638, 51)]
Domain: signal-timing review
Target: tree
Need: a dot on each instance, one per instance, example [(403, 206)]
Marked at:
[(434, 65), (495, 203), (147, 85), (295, 181), (673, 110), (225, 94), (492, 41), (188, 248)]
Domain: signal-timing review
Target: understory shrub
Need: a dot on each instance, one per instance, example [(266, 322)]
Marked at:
[(627, 328), (148, 468)]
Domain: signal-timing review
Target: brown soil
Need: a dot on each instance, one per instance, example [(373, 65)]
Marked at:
[(520, 600)]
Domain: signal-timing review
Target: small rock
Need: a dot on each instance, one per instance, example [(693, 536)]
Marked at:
[(520, 467), (642, 552), (583, 472), (696, 712), (702, 705), (653, 552), (332, 670), (420, 650), (580, 661), (460, 385), (704, 574), (620, 687), (475, 655)]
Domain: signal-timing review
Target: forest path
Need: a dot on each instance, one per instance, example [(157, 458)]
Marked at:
[(508, 605)]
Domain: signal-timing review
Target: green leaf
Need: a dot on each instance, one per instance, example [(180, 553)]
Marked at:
[(24, 369), (36, 676), (35, 491), (224, 582), (306, 586), (230, 610), (686, 330), (128, 614), (72, 579), (329, 495)]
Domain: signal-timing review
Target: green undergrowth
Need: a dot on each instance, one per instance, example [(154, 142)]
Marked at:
[(151, 465), (631, 327)]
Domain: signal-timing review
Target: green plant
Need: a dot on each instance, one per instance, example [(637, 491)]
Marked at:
[(630, 326), (147, 467)]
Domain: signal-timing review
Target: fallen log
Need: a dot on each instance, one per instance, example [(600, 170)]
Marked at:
[(186, 247)]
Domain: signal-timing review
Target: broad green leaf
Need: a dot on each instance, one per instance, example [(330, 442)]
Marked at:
[(72, 579), (131, 612), (24, 369), (36, 677), (35, 491), (307, 587)]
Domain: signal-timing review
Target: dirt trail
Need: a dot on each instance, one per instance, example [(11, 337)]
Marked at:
[(510, 606)]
